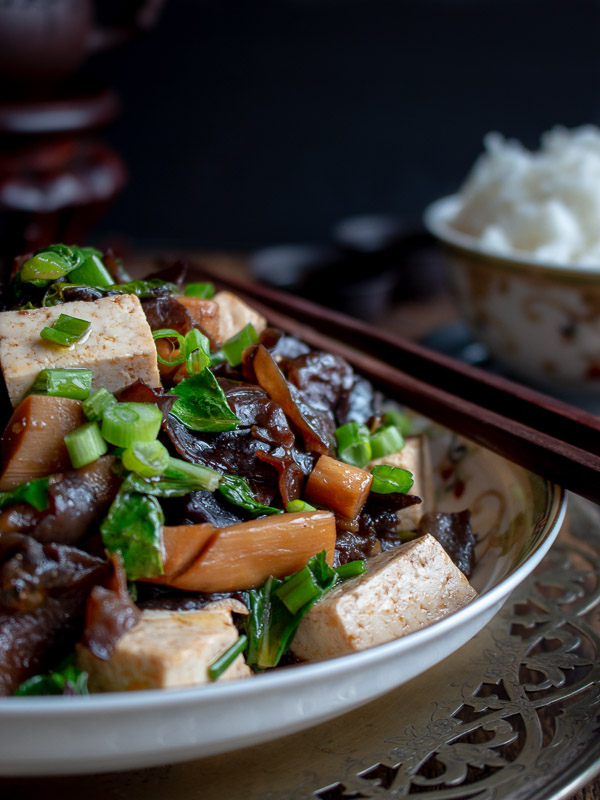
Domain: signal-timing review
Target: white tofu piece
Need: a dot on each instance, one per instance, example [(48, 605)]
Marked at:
[(119, 348), (166, 649), (235, 314), (414, 457), (405, 589)]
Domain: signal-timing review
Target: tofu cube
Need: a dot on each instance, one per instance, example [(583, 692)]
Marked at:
[(166, 649), (414, 457), (235, 314), (405, 589), (118, 350)]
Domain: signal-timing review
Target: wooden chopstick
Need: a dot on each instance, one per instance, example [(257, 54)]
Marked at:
[(544, 435)]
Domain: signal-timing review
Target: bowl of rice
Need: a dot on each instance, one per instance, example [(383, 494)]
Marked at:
[(522, 239)]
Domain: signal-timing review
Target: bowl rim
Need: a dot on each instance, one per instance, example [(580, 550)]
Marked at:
[(435, 219)]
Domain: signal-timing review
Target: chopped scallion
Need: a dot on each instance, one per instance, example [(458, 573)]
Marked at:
[(385, 441), (400, 419), (233, 348), (125, 423), (148, 459), (203, 289), (69, 382), (298, 590), (91, 273), (66, 330), (226, 659), (388, 479), (179, 352), (203, 477), (354, 444), (298, 505), (85, 444), (197, 351), (350, 570), (97, 403)]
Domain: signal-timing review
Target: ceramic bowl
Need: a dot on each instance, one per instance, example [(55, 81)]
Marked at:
[(517, 516), (540, 321)]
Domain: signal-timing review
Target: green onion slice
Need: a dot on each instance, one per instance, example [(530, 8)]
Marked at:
[(91, 273), (202, 477), (66, 330), (385, 441), (125, 423), (298, 505), (298, 590), (350, 570), (97, 403), (179, 352), (204, 289), (354, 444), (85, 444), (148, 459), (226, 659), (68, 382), (197, 351), (400, 419), (234, 347), (388, 479)]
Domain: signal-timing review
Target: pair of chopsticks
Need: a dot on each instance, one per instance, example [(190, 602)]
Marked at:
[(544, 435)]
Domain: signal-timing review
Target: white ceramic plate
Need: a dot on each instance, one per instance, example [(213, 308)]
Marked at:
[(516, 515)]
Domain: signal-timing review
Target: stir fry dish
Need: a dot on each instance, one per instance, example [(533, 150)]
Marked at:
[(189, 495)]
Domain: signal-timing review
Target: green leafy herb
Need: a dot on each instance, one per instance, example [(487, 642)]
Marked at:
[(238, 492), (388, 479), (145, 290), (133, 528), (201, 404), (34, 492), (66, 679), (277, 608)]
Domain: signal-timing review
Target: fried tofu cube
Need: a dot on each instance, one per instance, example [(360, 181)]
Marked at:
[(404, 590), (414, 457), (165, 649), (119, 349), (235, 314)]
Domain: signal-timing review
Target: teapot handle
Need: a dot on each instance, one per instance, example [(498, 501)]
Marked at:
[(141, 15)]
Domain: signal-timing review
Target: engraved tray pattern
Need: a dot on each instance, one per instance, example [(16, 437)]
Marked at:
[(515, 713)]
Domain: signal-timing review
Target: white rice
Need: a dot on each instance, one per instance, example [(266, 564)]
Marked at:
[(544, 203)]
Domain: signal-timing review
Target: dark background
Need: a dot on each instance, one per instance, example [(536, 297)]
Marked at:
[(247, 122)]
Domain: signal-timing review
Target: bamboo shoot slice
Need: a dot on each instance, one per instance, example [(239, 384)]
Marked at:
[(33, 442), (244, 555), (338, 486)]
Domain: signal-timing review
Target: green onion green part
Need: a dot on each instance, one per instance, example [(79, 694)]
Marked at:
[(179, 352), (69, 382), (66, 679), (298, 590), (201, 476), (66, 330), (85, 444), (125, 423), (220, 664), (385, 441), (350, 570), (148, 459), (298, 505), (388, 479), (91, 273), (197, 351), (97, 403), (203, 289), (400, 419), (234, 347), (354, 444)]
